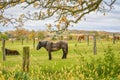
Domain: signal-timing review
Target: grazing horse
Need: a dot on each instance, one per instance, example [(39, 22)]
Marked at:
[(50, 47), (11, 52), (114, 37), (117, 37), (80, 37)]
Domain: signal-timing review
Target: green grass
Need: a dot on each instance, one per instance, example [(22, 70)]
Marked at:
[(41, 56), (76, 52)]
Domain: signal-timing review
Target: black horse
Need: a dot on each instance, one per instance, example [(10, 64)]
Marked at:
[(50, 47), (11, 52)]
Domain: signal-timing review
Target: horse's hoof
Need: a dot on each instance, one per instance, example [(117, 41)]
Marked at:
[(50, 59), (63, 58)]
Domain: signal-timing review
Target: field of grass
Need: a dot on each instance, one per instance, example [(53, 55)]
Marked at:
[(80, 64)]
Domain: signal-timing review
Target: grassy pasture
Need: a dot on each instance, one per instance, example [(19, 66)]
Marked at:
[(78, 52)]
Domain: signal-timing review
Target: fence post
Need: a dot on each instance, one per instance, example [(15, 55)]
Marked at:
[(12, 41), (88, 40), (113, 38), (33, 42), (22, 41), (94, 45), (3, 49), (107, 37), (26, 39), (26, 59)]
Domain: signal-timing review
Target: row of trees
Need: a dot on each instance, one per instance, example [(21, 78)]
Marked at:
[(21, 34)]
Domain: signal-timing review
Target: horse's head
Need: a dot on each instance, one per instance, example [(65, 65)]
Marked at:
[(41, 44)]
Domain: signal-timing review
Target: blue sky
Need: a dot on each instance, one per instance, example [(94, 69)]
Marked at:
[(94, 21)]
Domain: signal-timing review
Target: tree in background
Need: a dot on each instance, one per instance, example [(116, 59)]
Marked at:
[(32, 34), (21, 34), (4, 36), (41, 34), (65, 12)]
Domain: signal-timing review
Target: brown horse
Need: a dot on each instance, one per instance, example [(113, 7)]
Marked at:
[(80, 37), (117, 37), (50, 47)]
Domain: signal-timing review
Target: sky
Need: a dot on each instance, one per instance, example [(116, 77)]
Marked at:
[(93, 21)]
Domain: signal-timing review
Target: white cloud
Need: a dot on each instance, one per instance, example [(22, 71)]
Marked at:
[(97, 21)]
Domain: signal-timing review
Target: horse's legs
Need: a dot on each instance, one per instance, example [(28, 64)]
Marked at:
[(63, 56), (50, 57), (64, 53)]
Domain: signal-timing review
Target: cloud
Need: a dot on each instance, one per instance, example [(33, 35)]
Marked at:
[(97, 21), (6, 28)]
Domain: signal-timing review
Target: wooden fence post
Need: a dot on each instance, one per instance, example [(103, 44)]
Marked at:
[(3, 49), (88, 40), (26, 39), (80, 39), (12, 40), (26, 59), (113, 38), (33, 42), (22, 41), (94, 45), (107, 37)]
